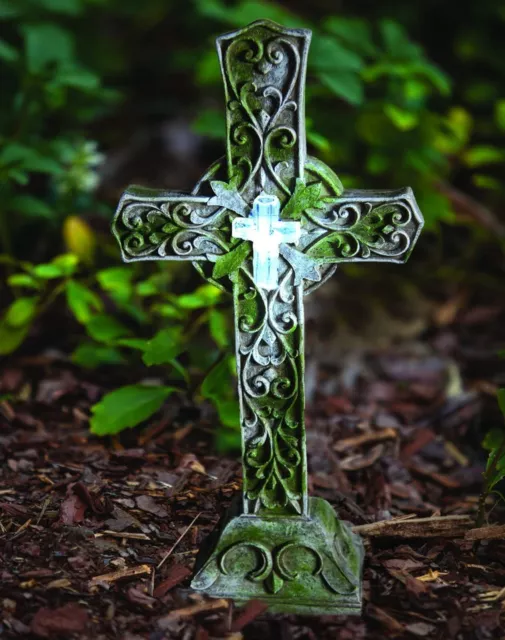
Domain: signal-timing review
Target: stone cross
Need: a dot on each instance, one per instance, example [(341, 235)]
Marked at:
[(270, 224)]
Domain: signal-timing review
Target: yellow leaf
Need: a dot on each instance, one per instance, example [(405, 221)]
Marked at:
[(79, 238)]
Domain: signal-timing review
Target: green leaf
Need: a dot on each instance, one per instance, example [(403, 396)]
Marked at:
[(217, 381), (355, 32), (346, 85), (166, 345), (229, 412), (126, 407), (15, 324), (487, 182), (78, 77), (105, 328), (501, 400), (210, 123), (247, 11), (60, 267), (219, 330), (8, 53), (11, 337), (498, 475), (205, 296), (83, 302), (303, 198), (167, 311), (46, 43), (327, 54), (90, 356), (231, 261), (31, 207), (23, 280), (483, 154), (69, 7), (21, 311), (320, 142), (499, 114), (228, 440), (397, 42), (133, 343), (117, 282), (208, 72), (10, 9), (493, 439), (28, 159), (401, 118)]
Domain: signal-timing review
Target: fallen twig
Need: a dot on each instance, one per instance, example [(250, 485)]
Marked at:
[(123, 534), (366, 438), (445, 526), (162, 562), (187, 612), (492, 532), (122, 574)]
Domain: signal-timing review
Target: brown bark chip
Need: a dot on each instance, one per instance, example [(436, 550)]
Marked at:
[(48, 623), (176, 574)]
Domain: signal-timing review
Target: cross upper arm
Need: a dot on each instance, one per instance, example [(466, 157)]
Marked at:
[(154, 225), (381, 226)]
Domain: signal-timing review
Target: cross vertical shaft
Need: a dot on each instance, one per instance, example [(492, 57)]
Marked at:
[(270, 364)]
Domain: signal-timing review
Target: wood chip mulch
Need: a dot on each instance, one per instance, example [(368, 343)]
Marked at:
[(98, 538)]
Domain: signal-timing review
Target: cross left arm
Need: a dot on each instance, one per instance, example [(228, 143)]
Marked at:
[(166, 225)]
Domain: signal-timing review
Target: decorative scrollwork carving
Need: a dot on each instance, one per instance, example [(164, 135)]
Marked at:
[(286, 562), (365, 228), (151, 228), (268, 349), (263, 72)]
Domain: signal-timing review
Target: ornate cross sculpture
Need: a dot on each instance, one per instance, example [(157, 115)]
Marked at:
[(270, 224)]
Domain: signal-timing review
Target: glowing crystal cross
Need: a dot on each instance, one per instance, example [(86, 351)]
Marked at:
[(266, 232)]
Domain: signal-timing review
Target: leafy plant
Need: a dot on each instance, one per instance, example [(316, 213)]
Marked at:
[(494, 442), (116, 308), (45, 80)]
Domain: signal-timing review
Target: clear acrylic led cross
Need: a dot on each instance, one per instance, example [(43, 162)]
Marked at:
[(266, 232)]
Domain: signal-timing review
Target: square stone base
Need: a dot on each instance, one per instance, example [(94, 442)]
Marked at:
[(306, 565)]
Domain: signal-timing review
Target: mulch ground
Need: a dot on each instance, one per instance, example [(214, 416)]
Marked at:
[(98, 538)]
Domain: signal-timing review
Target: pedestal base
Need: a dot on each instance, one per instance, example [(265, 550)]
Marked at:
[(297, 565)]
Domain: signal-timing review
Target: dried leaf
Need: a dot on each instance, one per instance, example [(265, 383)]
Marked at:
[(146, 503), (250, 612), (48, 623), (72, 510), (176, 574)]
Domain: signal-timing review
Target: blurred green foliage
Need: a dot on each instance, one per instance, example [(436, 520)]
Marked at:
[(140, 304), (76, 73), (494, 443)]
